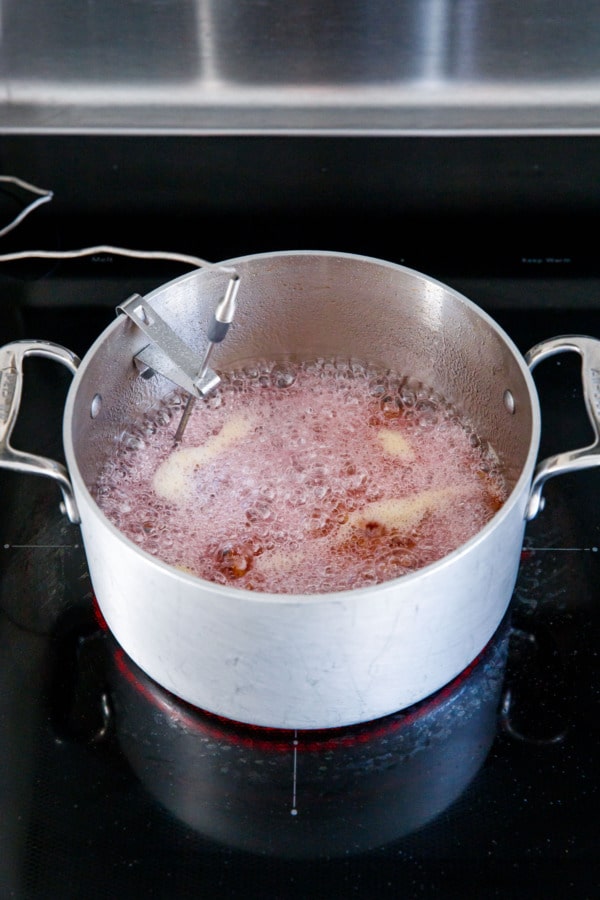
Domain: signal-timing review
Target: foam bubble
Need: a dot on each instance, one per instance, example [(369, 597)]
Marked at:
[(324, 475)]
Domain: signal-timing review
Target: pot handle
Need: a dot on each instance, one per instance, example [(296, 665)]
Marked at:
[(11, 386), (584, 457)]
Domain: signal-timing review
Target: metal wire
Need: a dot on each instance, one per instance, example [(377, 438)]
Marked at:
[(117, 251), (44, 196)]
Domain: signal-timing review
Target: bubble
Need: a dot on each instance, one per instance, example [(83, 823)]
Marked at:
[(163, 417), (133, 442), (427, 413), (358, 479), (283, 376), (263, 509), (221, 577), (411, 391), (318, 474), (374, 491), (234, 561), (390, 407), (377, 387), (215, 399), (369, 577), (312, 461)]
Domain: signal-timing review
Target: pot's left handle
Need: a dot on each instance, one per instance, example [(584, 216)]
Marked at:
[(584, 457), (11, 386)]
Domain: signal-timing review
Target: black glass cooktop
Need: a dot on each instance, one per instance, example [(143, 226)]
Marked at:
[(110, 787)]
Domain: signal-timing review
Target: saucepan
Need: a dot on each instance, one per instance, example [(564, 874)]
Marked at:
[(322, 659)]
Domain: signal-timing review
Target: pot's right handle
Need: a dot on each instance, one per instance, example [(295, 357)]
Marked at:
[(585, 457), (11, 386)]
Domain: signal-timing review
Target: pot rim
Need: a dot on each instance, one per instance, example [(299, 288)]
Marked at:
[(521, 487)]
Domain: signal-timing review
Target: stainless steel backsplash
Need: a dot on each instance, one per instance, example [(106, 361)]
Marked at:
[(315, 66)]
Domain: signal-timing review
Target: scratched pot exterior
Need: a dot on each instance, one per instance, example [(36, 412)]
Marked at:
[(331, 659)]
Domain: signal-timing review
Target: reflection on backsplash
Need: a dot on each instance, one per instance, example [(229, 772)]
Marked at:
[(372, 59)]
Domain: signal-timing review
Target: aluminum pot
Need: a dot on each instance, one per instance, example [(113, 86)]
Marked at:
[(321, 660)]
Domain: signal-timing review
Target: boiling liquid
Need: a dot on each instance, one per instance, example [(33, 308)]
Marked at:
[(309, 478)]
